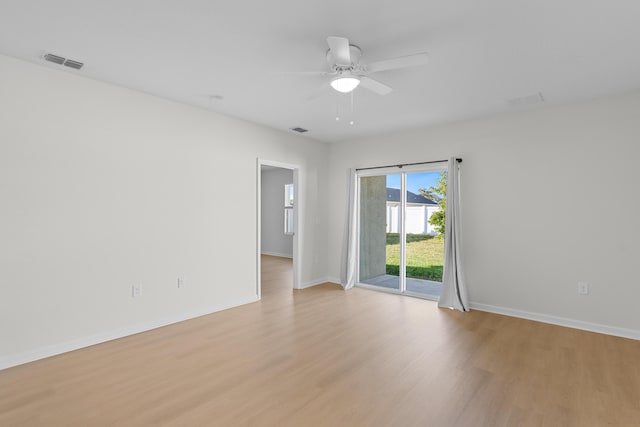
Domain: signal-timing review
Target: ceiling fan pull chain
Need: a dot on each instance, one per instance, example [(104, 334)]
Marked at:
[(352, 121)]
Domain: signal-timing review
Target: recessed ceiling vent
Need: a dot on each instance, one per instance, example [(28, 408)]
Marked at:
[(63, 61), (525, 101), (54, 58), (73, 64), (299, 130)]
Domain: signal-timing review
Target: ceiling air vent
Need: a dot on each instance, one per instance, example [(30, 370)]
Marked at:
[(54, 58), (73, 64), (525, 101), (299, 130), (63, 61)]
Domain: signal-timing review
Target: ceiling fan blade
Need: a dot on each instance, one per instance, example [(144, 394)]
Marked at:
[(306, 73), (339, 47), (395, 63), (374, 86)]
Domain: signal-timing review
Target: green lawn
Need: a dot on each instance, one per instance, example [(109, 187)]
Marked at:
[(425, 256)]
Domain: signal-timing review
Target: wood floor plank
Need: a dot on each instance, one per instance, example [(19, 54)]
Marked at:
[(325, 357)]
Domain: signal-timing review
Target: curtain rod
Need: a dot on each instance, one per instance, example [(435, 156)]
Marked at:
[(406, 164)]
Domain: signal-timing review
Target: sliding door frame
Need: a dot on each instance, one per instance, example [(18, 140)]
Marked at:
[(402, 171)]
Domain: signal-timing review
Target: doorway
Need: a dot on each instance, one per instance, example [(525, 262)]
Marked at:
[(401, 229), (278, 211)]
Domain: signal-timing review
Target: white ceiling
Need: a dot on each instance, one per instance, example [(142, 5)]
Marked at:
[(482, 54)]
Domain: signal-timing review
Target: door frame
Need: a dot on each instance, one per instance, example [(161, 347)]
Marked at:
[(402, 171), (297, 208)]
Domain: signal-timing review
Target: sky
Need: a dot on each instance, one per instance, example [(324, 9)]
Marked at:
[(415, 181)]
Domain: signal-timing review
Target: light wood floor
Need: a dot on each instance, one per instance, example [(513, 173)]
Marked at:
[(326, 357)]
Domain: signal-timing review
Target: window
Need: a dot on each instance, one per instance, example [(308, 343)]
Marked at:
[(288, 209)]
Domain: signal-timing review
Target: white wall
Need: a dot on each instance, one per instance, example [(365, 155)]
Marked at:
[(274, 241), (517, 255), (102, 187)]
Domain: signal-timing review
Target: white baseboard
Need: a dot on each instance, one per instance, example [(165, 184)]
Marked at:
[(560, 321), (306, 285), (55, 349), (335, 280), (278, 254)]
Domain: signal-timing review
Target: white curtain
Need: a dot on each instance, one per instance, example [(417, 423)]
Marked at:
[(352, 231), (454, 289)]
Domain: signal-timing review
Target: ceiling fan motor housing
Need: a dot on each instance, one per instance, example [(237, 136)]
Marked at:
[(355, 53)]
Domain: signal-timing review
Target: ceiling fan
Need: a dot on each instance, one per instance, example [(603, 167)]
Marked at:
[(347, 73)]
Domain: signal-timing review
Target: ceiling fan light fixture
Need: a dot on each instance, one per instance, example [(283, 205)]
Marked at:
[(345, 84)]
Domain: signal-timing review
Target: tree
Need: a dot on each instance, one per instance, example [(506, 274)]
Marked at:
[(437, 193)]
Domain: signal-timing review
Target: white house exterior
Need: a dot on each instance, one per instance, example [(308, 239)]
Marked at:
[(419, 210)]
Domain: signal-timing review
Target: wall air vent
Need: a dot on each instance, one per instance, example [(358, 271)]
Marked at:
[(62, 61), (299, 130)]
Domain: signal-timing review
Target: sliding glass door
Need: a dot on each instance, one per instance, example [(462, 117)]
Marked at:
[(424, 231), (374, 225), (400, 229)]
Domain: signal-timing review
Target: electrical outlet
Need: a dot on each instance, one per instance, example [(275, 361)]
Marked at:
[(136, 291), (181, 282), (583, 288)]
